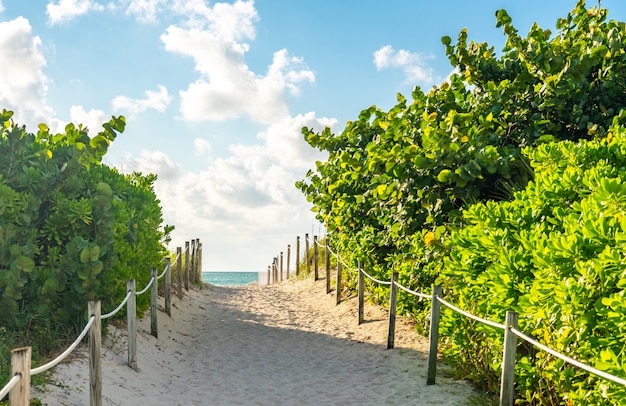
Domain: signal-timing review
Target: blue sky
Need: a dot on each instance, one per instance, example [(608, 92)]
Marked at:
[(215, 93)]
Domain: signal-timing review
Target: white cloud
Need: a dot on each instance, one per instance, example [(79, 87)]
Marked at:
[(413, 64), (284, 139), (227, 88), (158, 101), (250, 192), (92, 119), (66, 10), (202, 146), (155, 162), (145, 10), (1, 7), (23, 85)]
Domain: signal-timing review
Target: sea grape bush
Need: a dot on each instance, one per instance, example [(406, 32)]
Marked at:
[(71, 228), (555, 254), (423, 189)]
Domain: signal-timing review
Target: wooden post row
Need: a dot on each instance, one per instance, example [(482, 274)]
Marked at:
[(297, 255), (168, 288), (154, 303), (361, 292), (433, 336), (179, 272), (391, 336), (315, 267), (95, 355)]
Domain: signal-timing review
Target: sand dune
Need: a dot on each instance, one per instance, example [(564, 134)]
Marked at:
[(285, 344)]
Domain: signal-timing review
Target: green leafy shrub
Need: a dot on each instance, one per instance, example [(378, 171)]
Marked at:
[(71, 228), (555, 254)]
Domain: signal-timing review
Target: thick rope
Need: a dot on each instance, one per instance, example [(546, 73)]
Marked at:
[(146, 288), (470, 315), (374, 279), (118, 308), (569, 360), (422, 295), (7, 388), (65, 353), (164, 271)]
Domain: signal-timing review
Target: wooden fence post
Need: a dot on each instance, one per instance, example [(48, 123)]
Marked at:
[(154, 303), (315, 268), (288, 258), (306, 247), (297, 255), (131, 317), (197, 264), (338, 290), (281, 266), (391, 336), (95, 355), (433, 336), (20, 365), (179, 272), (507, 393), (168, 288), (269, 271), (361, 291), (199, 255), (187, 265), (327, 267)]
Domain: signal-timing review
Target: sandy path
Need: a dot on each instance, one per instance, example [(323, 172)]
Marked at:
[(286, 344)]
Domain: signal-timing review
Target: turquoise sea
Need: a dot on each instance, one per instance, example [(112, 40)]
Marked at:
[(230, 278)]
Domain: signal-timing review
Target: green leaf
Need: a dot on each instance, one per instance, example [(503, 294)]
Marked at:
[(90, 254), (444, 175), (24, 264)]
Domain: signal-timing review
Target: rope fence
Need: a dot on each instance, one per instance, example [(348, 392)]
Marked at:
[(511, 333), (18, 387)]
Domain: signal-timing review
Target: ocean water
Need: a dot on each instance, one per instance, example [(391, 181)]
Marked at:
[(231, 278)]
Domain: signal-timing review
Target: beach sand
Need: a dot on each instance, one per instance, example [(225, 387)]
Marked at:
[(283, 344)]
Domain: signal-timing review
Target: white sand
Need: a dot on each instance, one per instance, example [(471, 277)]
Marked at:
[(285, 344)]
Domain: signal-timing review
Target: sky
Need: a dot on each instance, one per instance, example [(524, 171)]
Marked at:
[(215, 94)]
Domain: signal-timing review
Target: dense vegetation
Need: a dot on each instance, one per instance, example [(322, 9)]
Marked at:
[(71, 230), (505, 185)]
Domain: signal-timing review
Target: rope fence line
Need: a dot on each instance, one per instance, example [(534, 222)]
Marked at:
[(18, 387), (510, 330), (505, 371)]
